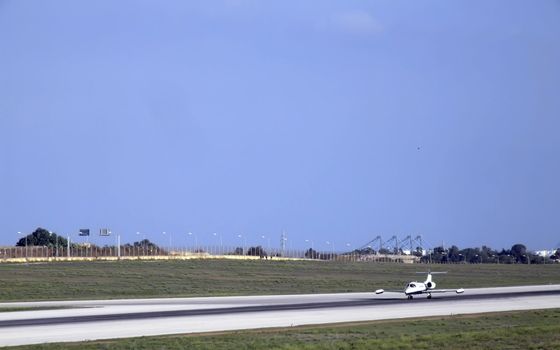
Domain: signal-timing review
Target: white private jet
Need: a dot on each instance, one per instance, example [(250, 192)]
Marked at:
[(426, 287)]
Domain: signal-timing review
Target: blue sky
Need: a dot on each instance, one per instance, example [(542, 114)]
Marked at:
[(333, 120)]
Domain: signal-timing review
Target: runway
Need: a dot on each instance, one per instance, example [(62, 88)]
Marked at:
[(105, 319)]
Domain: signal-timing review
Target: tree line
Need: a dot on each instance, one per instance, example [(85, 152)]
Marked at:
[(517, 254), (44, 238), (483, 255)]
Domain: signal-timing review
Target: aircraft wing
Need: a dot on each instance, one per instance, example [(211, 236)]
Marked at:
[(458, 291), (380, 291)]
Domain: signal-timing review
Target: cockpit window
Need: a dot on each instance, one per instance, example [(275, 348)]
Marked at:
[(412, 285)]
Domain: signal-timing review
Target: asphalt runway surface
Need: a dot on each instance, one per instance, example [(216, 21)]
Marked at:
[(105, 319)]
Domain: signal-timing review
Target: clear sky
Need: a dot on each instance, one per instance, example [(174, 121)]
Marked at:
[(333, 120)]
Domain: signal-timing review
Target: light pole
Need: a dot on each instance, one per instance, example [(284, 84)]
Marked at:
[(242, 238), (169, 246), (138, 240), (284, 239), (142, 242), (195, 240), (165, 233), (312, 255), (118, 246), (430, 256), (268, 252), (19, 233), (221, 242), (332, 249), (262, 246), (56, 242), (310, 241)]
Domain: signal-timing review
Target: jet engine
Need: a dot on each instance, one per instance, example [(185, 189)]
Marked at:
[(431, 285)]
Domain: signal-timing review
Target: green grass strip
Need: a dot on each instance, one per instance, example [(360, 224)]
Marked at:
[(141, 279), (538, 329)]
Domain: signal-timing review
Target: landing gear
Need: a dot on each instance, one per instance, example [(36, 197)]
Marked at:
[(429, 296), (409, 297)]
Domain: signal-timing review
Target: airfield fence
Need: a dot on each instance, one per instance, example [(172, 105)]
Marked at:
[(39, 253)]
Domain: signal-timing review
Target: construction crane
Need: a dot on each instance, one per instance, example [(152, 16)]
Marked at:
[(395, 245), (392, 242), (372, 242)]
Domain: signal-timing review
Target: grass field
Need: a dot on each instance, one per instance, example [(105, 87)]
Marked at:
[(14, 309), (512, 330), (128, 279)]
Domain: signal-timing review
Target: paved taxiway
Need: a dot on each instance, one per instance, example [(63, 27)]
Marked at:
[(104, 319)]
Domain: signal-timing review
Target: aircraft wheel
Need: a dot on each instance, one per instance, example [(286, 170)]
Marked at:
[(410, 297), (429, 296)]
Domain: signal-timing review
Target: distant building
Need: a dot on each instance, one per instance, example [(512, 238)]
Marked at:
[(544, 253), (409, 252)]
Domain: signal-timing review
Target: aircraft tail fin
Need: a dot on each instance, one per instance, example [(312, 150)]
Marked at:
[(430, 273)]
